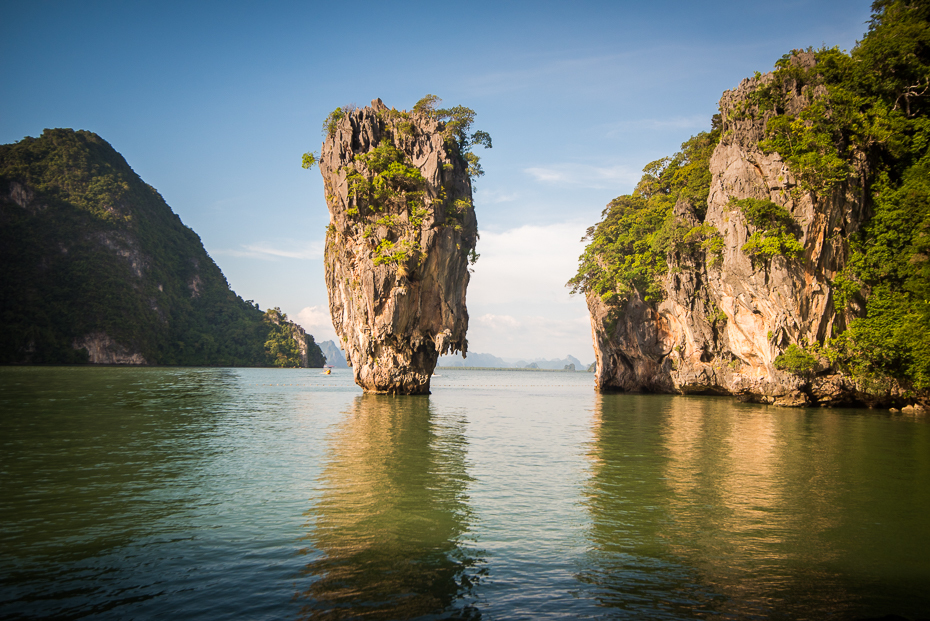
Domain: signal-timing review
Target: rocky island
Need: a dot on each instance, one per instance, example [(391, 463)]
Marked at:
[(783, 255), (401, 236)]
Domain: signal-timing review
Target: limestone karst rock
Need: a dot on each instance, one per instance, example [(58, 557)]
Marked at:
[(402, 228), (721, 323)]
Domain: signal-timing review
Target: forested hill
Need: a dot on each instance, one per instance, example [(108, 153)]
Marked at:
[(97, 268)]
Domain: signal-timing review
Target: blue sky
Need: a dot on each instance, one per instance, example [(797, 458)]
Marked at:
[(213, 104)]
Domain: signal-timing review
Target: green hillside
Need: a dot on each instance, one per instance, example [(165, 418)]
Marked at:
[(93, 257)]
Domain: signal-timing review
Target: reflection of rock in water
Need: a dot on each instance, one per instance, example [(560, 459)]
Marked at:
[(629, 566), (729, 509), (388, 529)]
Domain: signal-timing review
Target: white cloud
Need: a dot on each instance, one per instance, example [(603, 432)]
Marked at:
[(497, 321), (528, 263), (584, 175), (517, 297), (316, 321), (547, 70), (287, 248)]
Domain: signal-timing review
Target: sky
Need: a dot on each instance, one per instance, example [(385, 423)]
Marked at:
[(213, 104)]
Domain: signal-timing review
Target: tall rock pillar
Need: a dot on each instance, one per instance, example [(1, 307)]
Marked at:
[(402, 230)]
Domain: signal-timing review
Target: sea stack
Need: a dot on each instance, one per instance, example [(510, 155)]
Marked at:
[(402, 230)]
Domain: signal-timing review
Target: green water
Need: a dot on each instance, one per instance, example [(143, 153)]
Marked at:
[(275, 494)]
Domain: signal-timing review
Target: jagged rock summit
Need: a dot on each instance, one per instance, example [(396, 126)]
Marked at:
[(402, 230)]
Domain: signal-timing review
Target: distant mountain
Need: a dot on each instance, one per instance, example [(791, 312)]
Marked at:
[(97, 268), (491, 361), (557, 363), (334, 355), (473, 360)]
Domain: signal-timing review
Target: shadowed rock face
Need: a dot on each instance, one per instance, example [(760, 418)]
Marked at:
[(721, 324), (402, 225)]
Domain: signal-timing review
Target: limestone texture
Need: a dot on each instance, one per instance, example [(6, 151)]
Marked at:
[(721, 323), (101, 349), (402, 226)]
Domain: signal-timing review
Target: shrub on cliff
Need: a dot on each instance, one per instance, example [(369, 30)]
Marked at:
[(627, 250), (775, 229), (798, 361)]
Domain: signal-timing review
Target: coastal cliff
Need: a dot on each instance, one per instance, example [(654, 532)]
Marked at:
[(402, 232), (725, 318), (780, 256)]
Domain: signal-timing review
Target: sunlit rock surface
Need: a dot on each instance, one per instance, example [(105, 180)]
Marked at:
[(397, 246), (721, 325)]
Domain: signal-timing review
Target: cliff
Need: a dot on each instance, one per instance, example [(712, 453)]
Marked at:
[(402, 230), (722, 323), (289, 345), (778, 257), (97, 268)]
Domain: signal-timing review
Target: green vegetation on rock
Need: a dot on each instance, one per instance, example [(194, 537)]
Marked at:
[(879, 101), (775, 229), (797, 360), (458, 121), (387, 190), (88, 249), (283, 343), (628, 249), (843, 123)]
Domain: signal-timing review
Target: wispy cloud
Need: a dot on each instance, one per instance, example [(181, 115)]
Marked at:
[(527, 265), (495, 196), (694, 122), (284, 249), (584, 175), (551, 70), (532, 336)]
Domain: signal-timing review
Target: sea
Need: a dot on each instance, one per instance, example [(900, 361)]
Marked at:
[(226, 493)]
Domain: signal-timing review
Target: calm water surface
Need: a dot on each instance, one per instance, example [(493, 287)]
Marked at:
[(276, 494)]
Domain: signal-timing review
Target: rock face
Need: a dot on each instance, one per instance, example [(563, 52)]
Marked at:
[(101, 349), (402, 226), (722, 322)]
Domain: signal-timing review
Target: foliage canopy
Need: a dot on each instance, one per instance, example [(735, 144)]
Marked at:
[(627, 250)]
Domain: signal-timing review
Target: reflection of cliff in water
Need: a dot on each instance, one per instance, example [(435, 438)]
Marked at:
[(740, 511), (629, 565), (388, 530)]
